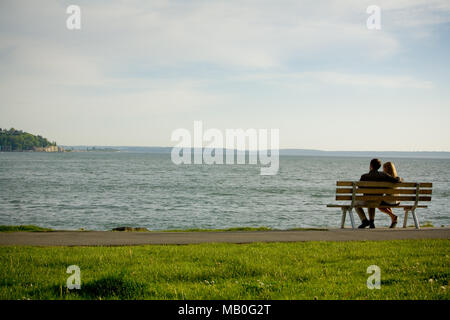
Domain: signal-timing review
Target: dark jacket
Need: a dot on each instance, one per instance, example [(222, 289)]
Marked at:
[(380, 176), (375, 175)]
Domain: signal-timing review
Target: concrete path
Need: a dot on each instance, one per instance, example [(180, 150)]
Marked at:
[(109, 238)]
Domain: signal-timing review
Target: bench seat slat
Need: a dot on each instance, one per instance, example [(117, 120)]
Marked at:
[(384, 184), (383, 198), (385, 191), (348, 206)]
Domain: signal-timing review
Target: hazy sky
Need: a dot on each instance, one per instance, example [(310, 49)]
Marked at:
[(137, 70)]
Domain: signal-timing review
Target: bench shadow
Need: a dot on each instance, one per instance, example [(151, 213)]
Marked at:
[(108, 287)]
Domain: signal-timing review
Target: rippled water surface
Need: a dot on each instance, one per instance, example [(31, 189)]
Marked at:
[(99, 191)]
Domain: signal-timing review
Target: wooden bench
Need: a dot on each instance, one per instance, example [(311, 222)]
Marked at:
[(409, 194)]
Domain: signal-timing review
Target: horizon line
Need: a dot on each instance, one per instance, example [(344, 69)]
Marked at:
[(284, 149)]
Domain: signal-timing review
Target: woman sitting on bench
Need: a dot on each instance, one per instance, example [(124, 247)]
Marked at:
[(389, 168)]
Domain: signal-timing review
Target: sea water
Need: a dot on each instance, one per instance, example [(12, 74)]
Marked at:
[(103, 190)]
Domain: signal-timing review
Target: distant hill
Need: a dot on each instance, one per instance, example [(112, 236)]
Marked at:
[(163, 150), (303, 152), (369, 154), (18, 140)]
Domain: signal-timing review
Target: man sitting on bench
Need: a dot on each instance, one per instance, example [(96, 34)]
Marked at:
[(373, 175)]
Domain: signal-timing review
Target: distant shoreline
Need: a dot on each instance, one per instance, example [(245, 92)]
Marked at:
[(292, 152), (282, 152)]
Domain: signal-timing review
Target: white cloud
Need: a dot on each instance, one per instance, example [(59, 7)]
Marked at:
[(133, 63), (384, 81), (339, 78), (228, 33)]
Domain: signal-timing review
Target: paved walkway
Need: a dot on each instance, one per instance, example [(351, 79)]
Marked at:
[(109, 238)]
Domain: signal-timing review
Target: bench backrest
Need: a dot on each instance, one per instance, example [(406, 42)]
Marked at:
[(410, 192)]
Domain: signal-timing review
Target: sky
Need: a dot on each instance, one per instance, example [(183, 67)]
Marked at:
[(138, 70)]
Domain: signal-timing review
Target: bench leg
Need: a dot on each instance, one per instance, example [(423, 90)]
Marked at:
[(344, 213), (416, 220), (350, 211), (405, 219)]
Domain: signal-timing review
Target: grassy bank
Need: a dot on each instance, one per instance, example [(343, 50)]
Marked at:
[(27, 228), (32, 228), (410, 269)]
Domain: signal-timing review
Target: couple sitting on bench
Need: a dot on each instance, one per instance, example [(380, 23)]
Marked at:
[(389, 174)]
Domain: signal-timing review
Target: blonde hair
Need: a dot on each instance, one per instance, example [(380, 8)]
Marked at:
[(389, 168)]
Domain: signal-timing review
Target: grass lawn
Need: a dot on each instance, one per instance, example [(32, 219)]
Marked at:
[(410, 269)]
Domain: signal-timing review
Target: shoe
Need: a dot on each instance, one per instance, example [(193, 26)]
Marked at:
[(372, 224), (364, 224), (394, 223)]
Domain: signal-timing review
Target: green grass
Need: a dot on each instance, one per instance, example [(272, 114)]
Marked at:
[(28, 228), (410, 269), (427, 224)]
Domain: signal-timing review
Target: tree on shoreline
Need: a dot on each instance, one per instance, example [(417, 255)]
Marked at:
[(18, 140)]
